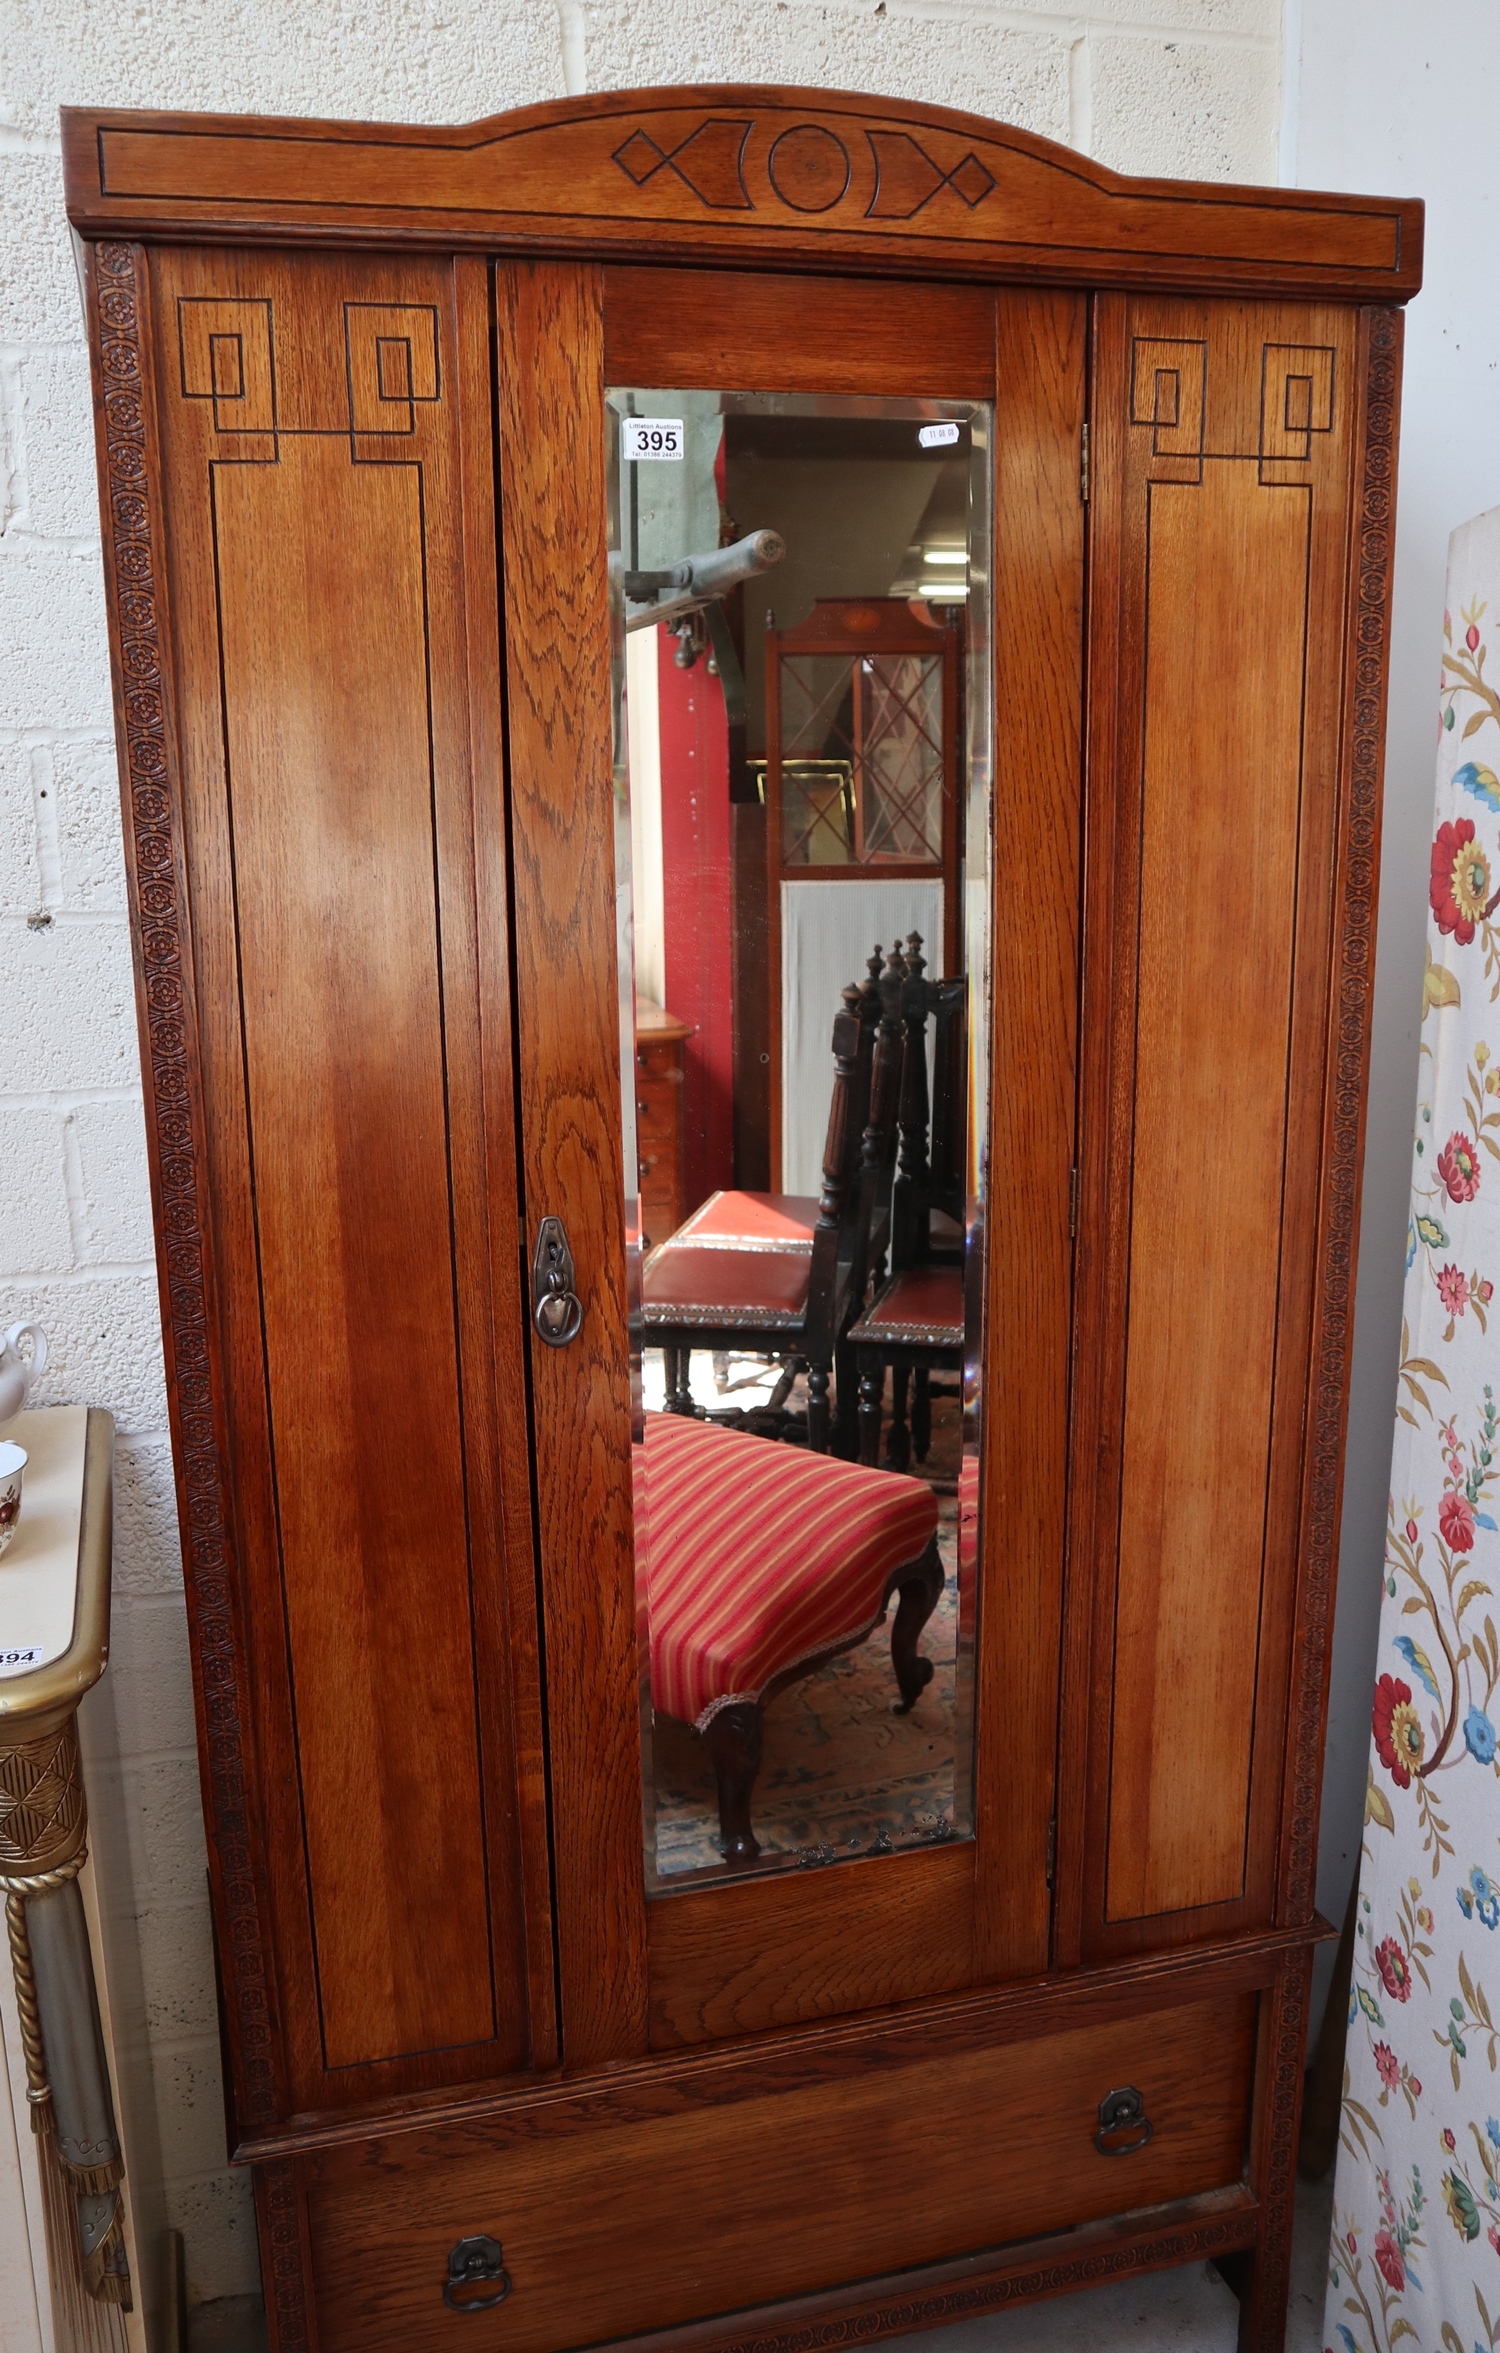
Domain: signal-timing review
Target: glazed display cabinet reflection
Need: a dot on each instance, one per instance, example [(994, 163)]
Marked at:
[(659, 903)]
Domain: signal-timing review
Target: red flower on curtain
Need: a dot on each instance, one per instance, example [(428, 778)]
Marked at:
[(1398, 1733), (1460, 885), (1458, 1166), (1453, 1289), (1456, 1519), (1395, 1969)]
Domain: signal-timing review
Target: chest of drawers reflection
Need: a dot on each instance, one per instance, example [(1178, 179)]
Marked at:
[(759, 1576)]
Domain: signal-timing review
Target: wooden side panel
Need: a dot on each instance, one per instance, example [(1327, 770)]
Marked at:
[(553, 524), (735, 1960), (1222, 452), (314, 461), (327, 721), (1206, 1200), (704, 2204), (1041, 383)]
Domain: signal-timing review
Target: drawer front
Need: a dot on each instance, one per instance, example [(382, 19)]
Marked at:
[(658, 1104), (612, 2230)]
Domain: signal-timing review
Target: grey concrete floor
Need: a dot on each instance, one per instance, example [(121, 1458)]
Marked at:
[(1188, 2310)]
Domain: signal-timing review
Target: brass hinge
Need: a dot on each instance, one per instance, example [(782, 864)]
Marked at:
[(1072, 1204), (1083, 465), (1052, 1850)]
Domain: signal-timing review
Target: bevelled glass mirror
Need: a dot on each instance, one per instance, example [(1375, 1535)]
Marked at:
[(802, 778)]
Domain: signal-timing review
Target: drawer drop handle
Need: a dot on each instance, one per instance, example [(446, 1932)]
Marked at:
[(474, 2263), (1124, 2125), (556, 1309)]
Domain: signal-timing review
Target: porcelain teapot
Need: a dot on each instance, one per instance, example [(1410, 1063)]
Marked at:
[(17, 1372)]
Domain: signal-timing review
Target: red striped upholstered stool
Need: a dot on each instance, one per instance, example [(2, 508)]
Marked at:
[(761, 1562)]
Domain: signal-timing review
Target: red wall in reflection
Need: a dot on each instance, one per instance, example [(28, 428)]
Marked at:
[(697, 909)]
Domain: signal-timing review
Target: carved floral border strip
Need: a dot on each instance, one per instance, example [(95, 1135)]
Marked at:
[(1353, 982), (171, 1067)]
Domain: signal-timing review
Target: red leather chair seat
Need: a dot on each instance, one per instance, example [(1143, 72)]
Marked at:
[(740, 1255), (923, 1307), (760, 1557)]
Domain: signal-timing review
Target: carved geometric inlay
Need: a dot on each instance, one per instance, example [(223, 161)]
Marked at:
[(1296, 398), (639, 158), (971, 180), (227, 355), (808, 168), (906, 177), (392, 353), (709, 161), (41, 1802), (1167, 382)]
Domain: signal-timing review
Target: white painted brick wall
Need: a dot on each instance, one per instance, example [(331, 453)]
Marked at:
[(1162, 86)]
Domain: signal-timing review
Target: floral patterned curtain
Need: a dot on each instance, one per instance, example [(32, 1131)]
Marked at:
[(1415, 2253)]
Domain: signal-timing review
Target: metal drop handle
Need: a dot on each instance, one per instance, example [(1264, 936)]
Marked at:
[(476, 2263), (1124, 2125), (556, 1309)]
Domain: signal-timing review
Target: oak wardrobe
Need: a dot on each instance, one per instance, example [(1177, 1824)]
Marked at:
[(750, 724)]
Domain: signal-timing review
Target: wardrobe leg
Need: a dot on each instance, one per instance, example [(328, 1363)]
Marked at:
[(734, 1743), (921, 1589), (1273, 2154), (871, 1397)]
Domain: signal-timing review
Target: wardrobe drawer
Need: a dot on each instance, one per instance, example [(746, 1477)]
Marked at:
[(710, 2205)]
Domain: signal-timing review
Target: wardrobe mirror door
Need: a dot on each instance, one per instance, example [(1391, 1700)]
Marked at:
[(800, 606)]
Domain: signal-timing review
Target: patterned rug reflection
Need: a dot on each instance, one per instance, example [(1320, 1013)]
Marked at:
[(842, 1774)]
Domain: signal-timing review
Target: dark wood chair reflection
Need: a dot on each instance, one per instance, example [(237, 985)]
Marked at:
[(762, 1563), (783, 1275), (914, 1323)]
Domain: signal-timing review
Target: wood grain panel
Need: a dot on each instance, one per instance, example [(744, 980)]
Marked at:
[(743, 2195), (737, 1959), (327, 735), (1040, 377), (1223, 722), (317, 535), (777, 334), (553, 526), (1222, 446)]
